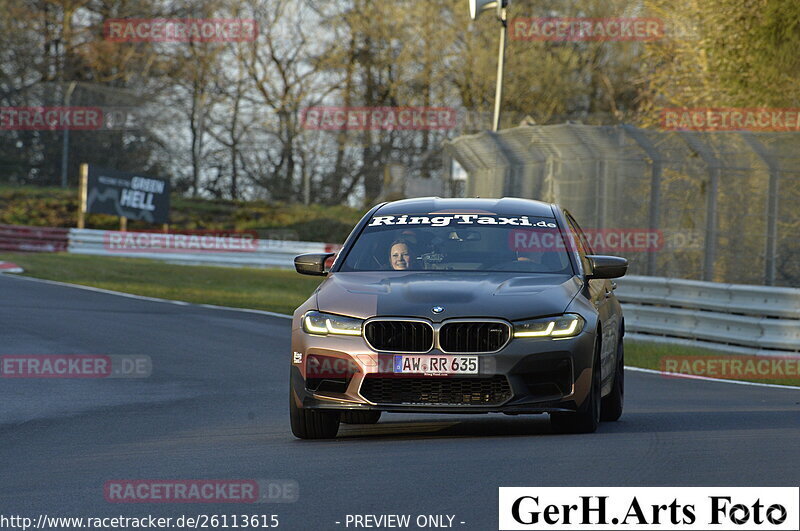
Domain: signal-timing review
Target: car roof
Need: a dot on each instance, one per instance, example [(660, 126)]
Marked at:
[(506, 206)]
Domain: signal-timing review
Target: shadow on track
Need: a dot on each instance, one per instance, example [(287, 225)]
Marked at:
[(442, 427), (533, 425)]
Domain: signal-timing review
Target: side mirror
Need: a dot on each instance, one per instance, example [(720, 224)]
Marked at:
[(606, 266), (312, 264)]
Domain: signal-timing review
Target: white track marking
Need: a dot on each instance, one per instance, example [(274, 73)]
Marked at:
[(708, 379), (154, 299)]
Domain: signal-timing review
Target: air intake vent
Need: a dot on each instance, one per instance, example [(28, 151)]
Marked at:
[(464, 336), (454, 391), (399, 336)]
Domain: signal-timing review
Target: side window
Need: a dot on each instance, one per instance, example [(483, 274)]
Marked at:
[(580, 241), (584, 239)]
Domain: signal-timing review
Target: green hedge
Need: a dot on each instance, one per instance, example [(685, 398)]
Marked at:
[(54, 207)]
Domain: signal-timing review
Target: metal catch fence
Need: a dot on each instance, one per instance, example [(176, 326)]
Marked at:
[(726, 205)]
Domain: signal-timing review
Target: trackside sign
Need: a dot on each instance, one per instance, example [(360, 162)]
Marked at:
[(130, 195), (650, 508)]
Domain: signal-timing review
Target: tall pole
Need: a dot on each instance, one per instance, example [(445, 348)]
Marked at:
[(501, 59), (65, 145), (82, 191), (306, 187)]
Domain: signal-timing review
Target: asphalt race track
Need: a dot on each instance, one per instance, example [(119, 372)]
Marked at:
[(216, 407)]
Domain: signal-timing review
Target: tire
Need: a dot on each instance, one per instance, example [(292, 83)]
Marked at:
[(360, 417), (312, 423), (587, 418), (611, 409)]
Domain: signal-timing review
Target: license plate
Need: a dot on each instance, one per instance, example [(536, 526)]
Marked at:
[(438, 365)]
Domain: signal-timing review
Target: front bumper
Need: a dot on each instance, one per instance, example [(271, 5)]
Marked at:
[(542, 375)]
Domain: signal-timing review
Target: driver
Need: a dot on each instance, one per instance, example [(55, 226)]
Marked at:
[(400, 255)]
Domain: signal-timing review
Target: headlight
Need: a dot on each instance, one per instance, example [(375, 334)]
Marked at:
[(566, 325), (325, 323)]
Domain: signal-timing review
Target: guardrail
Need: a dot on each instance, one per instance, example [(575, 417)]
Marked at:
[(259, 253), (33, 239), (730, 317)]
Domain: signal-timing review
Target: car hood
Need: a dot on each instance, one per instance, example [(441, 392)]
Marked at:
[(469, 294)]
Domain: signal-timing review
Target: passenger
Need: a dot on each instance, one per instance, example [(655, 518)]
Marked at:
[(400, 255)]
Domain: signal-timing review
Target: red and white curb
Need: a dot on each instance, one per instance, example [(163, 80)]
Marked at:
[(9, 267)]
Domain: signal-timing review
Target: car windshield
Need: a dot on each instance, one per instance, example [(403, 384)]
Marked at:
[(459, 242)]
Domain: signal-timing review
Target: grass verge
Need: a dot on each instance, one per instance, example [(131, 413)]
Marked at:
[(650, 355), (263, 289)]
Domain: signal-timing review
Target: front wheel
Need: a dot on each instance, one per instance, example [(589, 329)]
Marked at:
[(612, 404), (312, 423), (587, 418)]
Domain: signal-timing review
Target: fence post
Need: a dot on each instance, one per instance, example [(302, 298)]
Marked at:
[(771, 244), (602, 193), (549, 188), (601, 164), (476, 167), (711, 225), (714, 170), (656, 166), (447, 173), (511, 165)]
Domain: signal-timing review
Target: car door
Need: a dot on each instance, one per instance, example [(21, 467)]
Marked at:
[(600, 294)]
